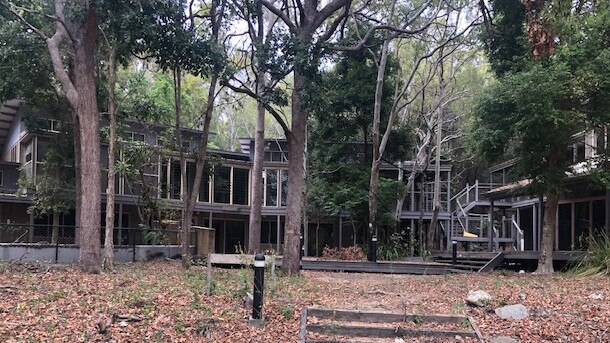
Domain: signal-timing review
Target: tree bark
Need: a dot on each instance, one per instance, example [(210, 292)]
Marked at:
[(187, 215), (547, 243), (256, 202), (87, 111), (432, 229), (296, 179), (108, 257), (377, 148), (55, 231), (256, 188)]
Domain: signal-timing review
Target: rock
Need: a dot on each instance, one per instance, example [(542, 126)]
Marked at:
[(478, 298), (522, 296), (399, 340), (503, 339), (521, 271), (595, 296), (512, 312)]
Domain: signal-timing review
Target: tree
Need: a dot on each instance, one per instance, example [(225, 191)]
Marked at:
[(76, 29), (534, 111), (302, 49)]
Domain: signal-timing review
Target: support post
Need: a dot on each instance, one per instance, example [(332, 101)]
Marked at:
[(259, 282), (454, 252), (133, 245), (490, 226)]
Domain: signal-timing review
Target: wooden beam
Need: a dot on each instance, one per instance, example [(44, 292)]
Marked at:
[(384, 332), (381, 317)]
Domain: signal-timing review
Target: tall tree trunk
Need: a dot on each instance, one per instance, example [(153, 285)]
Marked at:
[(191, 198), (547, 242), (108, 257), (257, 185), (55, 230), (256, 188), (296, 178), (77, 182), (378, 143), (432, 229), (187, 216), (87, 111)]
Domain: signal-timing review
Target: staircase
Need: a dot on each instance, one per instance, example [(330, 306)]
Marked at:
[(465, 219), (462, 203)]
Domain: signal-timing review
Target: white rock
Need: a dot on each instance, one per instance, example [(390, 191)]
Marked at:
[(596, 296), (513, 312), (503, 339), (478, 298), (399, 340), (521, 271)]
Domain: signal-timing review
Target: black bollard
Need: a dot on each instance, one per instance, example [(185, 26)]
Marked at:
[(369, 256), (454, 252), (374, 249), (259, 281)]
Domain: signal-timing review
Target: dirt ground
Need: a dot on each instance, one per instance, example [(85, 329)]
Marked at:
[(158, 302)]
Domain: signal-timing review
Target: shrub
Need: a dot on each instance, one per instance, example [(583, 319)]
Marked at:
[(597, 259), (348, 253), (393, 248)]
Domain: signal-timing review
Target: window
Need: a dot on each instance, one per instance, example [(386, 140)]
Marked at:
[(175, 178), (54, 125), (222, 185), (240, 186), (14, 155), (284, 183), (137, 137), (1, 178), (204, 187), (269, 232), (28, 157), (271, 187)]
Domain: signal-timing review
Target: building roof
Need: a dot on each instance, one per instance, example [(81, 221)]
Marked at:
[(8, 111)]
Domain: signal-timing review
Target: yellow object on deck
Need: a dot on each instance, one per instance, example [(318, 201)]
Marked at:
[(470, 235)]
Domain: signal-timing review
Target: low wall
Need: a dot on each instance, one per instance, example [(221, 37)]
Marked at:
[(67, 253)]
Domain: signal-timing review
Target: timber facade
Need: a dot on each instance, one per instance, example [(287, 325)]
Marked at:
[(224, 197)]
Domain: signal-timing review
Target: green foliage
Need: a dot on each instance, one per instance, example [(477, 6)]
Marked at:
[(533, 111), (597, 258), (506, 43), (394, 247), (155, 237)]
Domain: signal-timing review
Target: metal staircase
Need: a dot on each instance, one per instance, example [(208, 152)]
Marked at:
[(464, 218)]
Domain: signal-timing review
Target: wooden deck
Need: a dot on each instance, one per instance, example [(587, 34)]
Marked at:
[(416, 268), (514, 256), (486, 261)]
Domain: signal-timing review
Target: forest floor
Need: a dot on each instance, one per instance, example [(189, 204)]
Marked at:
[(157, 301)]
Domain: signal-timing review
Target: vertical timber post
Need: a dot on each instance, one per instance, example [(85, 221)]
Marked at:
[(454, 252)]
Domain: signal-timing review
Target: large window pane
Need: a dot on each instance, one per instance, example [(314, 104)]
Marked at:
[(240, 186), (222, 185), (271, 187), (204, 187), (284, 183), (175, 180)]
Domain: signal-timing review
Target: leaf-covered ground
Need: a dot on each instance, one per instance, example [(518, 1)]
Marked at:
[(170, 305)]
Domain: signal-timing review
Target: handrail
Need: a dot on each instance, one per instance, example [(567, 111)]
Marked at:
[(521, 242)]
